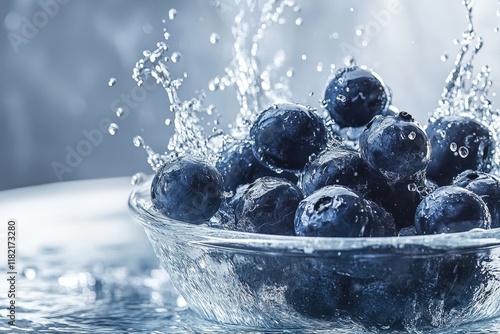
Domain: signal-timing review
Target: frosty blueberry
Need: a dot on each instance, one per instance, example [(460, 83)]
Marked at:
[(396, 146), (187, 189), (267, 206), (451, 209), (332, 211), (354, 96), (458, 143), (285, 135), (336, 166), (238, 166)]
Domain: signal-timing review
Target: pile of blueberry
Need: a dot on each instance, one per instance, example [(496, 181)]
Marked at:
[(292, 176)]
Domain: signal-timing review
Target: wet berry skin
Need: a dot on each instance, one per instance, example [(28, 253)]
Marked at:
[(458, 143), (285, 135), (380, 223), (485, 185), (335, 166), (266, 206), (395, 146), (332, 211), (187, 189), (451, 209), (238, 166), (354, 96)]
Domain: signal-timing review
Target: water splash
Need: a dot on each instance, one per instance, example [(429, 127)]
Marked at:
[(256, 87), (466, 93)]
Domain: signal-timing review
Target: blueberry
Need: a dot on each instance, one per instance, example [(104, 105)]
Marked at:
[(335, 166), (400, 198), (458, 143), (285, 135), (485, 185), (187, 189), (354, 96), (380, 304), (381, 222), (396, 146), (315, 290), (451, 209), (238, 166), (332, 211), (460, 279), (266, 206)]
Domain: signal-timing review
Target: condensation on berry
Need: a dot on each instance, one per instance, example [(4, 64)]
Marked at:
[(463, 152)]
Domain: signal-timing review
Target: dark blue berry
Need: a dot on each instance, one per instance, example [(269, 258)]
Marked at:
[(396, 146), (354, 96), (285, 135), (332, 211), (380, 223), (238, 166), (451, 209), (266, 206), (485, 185), (315, 290), (458, 143), (400, 198), (380, 304), (335, 166), (460, 279), (187, 189)]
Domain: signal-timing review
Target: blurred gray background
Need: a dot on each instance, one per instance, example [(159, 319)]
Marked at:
[(57, 56)]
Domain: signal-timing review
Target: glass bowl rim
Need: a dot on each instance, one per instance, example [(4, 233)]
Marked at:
[(202, 234)]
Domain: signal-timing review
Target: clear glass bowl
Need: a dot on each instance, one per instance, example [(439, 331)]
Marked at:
[(271, 282)]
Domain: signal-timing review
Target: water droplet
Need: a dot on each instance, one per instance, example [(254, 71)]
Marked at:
[(29, 273), (176, 56), (138, 141), (463, 151), (172, 13), (181, 302), (119, 112), (498, 12), (351, 9), (341, 98), (319, 67), (168, 121), (412, 135), (444, 57), (298, 21), (496, 29), (214, 38), (412, 187), (113, 129), (333, 35), (111, 82), (442, 133), (166, 35), (137, 178), (453, 147), (349, 61), (311, 93), (163, 21), (290, 72), (303, 57)]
